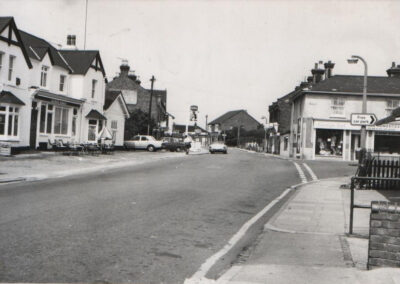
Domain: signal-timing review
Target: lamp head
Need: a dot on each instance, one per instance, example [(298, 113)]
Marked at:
[(352, 60)]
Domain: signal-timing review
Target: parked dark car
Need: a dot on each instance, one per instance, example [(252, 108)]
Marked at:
[(174, 144)]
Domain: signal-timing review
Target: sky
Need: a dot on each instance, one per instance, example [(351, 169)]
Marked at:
[(221, 55)]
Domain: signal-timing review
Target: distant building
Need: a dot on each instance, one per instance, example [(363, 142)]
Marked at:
[(137, 97), (231, 119)]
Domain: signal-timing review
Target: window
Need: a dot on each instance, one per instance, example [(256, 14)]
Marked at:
[(9, 120), (62, 83), (1, 59), (92, 130), (136, 138), (10, 67), (114, 128), (46, 118), (43, 76), (337, 106), (74, 118), (61, 121), (391, 105), (94, 83)]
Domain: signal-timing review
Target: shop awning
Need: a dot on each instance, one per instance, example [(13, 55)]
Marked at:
[(47, 95), (94, 114), (10, 98)]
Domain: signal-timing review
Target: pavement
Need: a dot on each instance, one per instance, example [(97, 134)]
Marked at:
[(44, 165), (307, 242)]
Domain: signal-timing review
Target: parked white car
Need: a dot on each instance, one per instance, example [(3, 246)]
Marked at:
[(218, 146), (143, 142)]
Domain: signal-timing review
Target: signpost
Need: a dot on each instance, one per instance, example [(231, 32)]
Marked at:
[(363, 119)]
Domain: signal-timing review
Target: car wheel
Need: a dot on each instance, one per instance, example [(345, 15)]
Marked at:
[(151, 148), (211, 152), (226, 152), (178, 149)]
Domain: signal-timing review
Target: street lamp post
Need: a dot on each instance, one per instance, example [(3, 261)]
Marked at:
[(353, 60), (265, 132)]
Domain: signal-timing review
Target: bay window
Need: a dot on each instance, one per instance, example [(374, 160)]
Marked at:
[(61, 121), (53, 120), (74, 118), (9, 121)]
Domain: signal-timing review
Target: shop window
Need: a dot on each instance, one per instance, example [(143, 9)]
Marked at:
[(329, 142), (338, 106), (391, 105)]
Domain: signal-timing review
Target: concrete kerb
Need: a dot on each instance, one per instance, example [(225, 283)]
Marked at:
[(231, 272)]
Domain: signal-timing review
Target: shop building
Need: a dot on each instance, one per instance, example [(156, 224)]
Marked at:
[(320, 120)]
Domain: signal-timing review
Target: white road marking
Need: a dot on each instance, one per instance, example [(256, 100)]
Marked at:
[(199, 276), (301, 173), (310, 171)]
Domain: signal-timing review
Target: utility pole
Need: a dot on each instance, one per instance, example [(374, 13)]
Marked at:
[(151, 101), (238, 138), (84, 43)]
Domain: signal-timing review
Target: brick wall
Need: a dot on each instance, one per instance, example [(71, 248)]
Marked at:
[(384, 237)]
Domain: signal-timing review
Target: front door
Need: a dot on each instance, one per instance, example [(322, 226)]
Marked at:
[(33, 130)]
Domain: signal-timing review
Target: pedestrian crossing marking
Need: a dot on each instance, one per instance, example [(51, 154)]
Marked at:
[(310, 171), (301, 173)]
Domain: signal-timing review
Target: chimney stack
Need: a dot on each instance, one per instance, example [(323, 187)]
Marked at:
[(394, 71), (132, 75), (328, 69), (71, 42), (317, 73), (124, 68)]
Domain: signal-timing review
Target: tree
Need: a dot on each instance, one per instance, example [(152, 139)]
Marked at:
[(137, 124)]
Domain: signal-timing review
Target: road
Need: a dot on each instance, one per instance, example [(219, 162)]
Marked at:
[(152, 223)]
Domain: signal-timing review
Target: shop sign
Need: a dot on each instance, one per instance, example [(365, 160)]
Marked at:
[(335, 125), (363, 119), (385, 127), (5, 149)]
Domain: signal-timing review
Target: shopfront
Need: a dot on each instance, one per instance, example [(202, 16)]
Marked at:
[(329, 143)]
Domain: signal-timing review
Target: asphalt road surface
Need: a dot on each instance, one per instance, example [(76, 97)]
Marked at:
[(152, 223)]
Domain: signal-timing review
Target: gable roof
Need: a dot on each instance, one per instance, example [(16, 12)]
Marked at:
[(111, 96), (37, 48), (354, 84), (95, 114), (81, 60), (9, 22), (229, 115)]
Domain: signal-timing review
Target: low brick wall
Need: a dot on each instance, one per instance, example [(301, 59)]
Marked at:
[(384, 236)]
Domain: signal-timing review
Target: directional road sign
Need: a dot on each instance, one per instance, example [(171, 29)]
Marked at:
[(363, 119)]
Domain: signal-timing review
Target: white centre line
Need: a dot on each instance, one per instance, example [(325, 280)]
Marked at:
[(301, 173), (310, 171)]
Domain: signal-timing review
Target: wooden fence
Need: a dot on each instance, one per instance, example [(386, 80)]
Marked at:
[(381, 169)]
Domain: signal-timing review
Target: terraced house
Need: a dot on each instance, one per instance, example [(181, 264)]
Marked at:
[(62, 91)]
